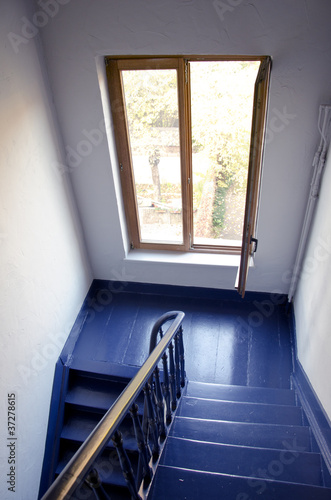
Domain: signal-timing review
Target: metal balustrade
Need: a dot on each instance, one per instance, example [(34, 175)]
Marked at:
[(161, 390)]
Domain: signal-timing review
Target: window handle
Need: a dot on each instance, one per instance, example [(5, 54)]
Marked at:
[(255, 241)]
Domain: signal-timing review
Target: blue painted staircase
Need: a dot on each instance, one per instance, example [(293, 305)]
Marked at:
[(233, 442), (87, 397), (247, 440), (239, 443)]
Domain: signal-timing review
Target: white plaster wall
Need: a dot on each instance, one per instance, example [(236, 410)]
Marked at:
[(312, 302), (44, 272), (294, 32)]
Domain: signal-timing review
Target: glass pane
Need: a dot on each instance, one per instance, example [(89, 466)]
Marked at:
[(152, 112), (222, 104)]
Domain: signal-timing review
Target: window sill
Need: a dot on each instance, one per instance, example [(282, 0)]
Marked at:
[(186, 258)]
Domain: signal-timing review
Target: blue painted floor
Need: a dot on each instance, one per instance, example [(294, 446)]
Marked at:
[(227, 340)]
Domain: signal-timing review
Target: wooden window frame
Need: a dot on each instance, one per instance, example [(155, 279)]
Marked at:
[(114, 66)]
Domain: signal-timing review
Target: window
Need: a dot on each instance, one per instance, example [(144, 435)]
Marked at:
[(189, 135)]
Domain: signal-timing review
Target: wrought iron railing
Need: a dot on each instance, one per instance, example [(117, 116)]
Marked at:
[(160, 401)]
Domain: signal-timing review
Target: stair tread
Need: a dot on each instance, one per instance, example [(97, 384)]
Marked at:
[(102, 368), (95, 393), (242, 433), (180, 483), (240, 393), (79, 424), (239, 411), (290, 466)]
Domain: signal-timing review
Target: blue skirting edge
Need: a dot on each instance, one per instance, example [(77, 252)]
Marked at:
[(54, 426), (184, 291), (311, 405), (318, 420)]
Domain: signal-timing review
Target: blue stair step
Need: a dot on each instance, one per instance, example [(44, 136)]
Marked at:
[(101, 369), (79, 424), (243, 433), (95, 392), (180, 484), (241, 393), (240, 412), (289, 466)]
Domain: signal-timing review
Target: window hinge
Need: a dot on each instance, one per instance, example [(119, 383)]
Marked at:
[(121, 167), (189, 180), (106, 61), (132, 245), (186, 71), (190, 236)]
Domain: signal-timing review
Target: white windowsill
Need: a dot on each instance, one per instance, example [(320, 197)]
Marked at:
[(202, 259)]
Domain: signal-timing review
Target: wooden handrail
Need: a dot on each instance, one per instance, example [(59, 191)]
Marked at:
[(157, 325), (75, 471)]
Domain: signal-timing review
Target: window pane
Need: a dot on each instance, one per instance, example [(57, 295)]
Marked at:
[(152, 111), (222, 104)]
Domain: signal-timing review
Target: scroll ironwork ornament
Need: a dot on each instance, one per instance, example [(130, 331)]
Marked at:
[(152, 424), (166, 388), (172, 377), (94, 481), (159, 403), (181, 357), (125, 465), (143, 448)]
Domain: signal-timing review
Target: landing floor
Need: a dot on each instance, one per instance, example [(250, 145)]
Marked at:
[(227, 340)]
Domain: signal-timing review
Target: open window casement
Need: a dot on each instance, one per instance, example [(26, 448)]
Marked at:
[(249, 242)]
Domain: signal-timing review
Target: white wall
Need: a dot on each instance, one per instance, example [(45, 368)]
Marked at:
[(44, 272), (312, 302), (293, 32)]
